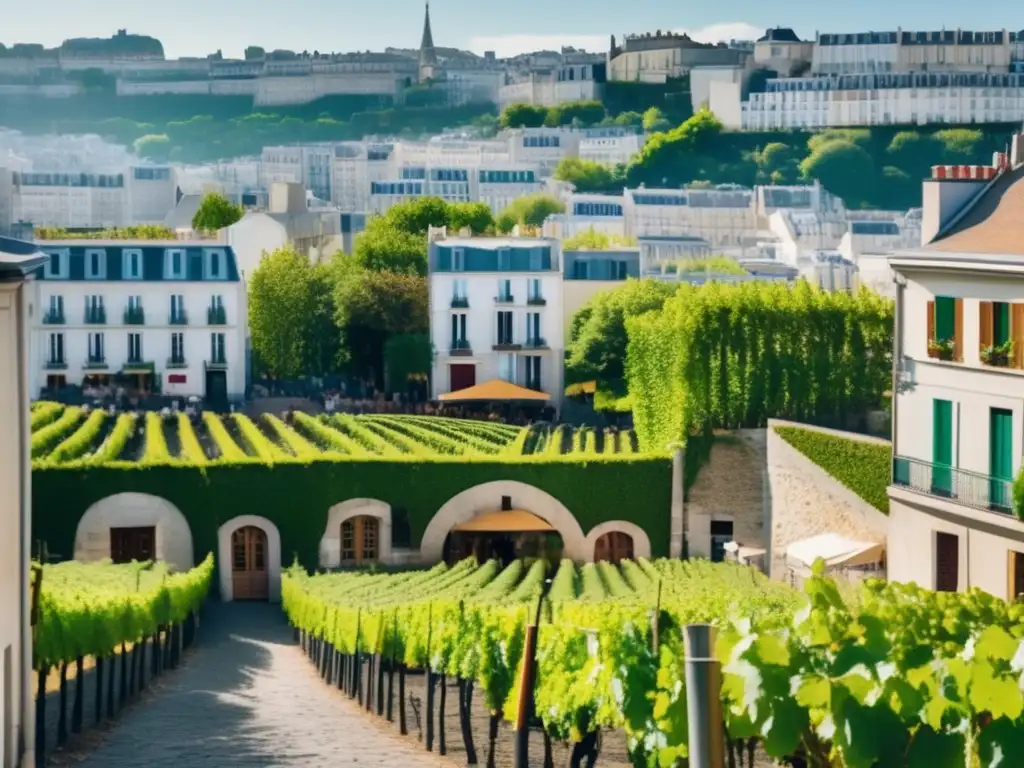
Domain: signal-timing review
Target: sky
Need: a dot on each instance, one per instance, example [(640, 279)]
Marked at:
[(198, 27)]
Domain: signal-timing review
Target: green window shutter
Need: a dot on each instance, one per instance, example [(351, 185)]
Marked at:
[(1001, 443), (1000, 323), (945, 318), (942, 433)]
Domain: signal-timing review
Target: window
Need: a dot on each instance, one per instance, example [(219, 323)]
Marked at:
[(132, 263), (217, 354), (580, 270), (56, 347), (620, 270), (460, 291), (174, 264), (945, 328), (94, 311), (95, 264), (942, 447), (96, 348), (721, 534), (533, 380), (535, 293), (1016, 573), (947, 562), (55, 314), (504, 259), (1000, 452), (135, 347), (613, 547), (536, 255), (507, 367), (505, 328), (178, 347), (127, 544), (533, 328), (177, 308), (458, 260), (57, 266), (459, 331), (215, 265), (505, 290)]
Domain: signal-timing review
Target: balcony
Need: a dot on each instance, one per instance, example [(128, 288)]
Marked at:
[(460, 348), (504, 298), (536, 301), (507, 345), (134, 316), (96, 362), (536, 343), (216, 316), (968, 489), (58, 364), (54, 317), (176, 361), (217, 364), (95, 315), (178, 318), (460, 302)]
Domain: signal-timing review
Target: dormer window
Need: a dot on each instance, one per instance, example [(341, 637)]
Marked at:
[(215, 266), (95, 264), (132, 263), (57, 267), (175, 267), (504, 259), (458, 260)]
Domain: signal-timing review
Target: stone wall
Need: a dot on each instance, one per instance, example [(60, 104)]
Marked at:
[(729, 487), (804, 500)]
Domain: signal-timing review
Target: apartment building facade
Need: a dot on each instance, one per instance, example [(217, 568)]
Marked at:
[(496, 312), (958, 411), (166, 317)]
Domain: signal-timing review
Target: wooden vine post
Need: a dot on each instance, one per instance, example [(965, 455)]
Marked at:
[(527, 676)]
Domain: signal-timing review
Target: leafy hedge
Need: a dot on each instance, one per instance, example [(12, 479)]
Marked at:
[(297, 495), (865, 468)]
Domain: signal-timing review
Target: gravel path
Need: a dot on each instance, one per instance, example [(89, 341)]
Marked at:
[(246, 696)]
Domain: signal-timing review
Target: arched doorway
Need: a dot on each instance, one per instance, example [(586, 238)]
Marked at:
[(134, 526), (250, 576), (613, 547), (360, 540)]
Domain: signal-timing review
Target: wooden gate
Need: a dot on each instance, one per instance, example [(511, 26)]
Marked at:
[(250, 579)]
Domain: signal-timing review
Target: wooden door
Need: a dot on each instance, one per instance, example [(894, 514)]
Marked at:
[(947, 562), (462, 376), (360, 540), (613, 547), (127, 544), (1015, 566), (250, 579)]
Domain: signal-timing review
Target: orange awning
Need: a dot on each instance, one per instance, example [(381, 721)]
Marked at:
[(510, 521), (496, 389)]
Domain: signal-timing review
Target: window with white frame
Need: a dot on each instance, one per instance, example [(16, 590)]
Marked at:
[(97, 352), (535, 259), (458, 260), (57, 266), (175, 267), (177, 307), (217, 353), (507, 367), (215, 267), (504, 259), (56, 307), (535, 292), (134, 347), (131, 263), (95, 264), (56, 347), (533, 328), (460, 290), (533, 372)]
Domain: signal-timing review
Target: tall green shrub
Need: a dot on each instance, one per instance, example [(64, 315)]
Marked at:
[(729, 356)]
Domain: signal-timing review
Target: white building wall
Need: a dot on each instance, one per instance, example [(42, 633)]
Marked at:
[(612, 150), (482, 326), (72, 207)]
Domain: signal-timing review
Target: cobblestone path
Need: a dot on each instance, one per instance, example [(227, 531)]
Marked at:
[(246, 696)]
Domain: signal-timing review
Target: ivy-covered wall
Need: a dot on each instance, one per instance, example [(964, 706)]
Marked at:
[(297, 497)]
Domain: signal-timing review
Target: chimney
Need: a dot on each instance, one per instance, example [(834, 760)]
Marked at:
[(1016, 150), (945, 194), (436, 233), (287, 197)]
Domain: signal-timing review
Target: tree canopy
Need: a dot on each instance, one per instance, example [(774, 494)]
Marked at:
[(590, 176), (529, 211), (594, 240), (215, 212)]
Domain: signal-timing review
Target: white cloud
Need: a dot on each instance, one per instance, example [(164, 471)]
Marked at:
[(511, 45)]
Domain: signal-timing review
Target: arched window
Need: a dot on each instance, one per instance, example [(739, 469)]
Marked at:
[(613, 547), (360, 540)]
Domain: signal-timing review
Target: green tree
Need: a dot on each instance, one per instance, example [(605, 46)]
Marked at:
[(282, 314), (523, 116), (215, 212), (531, 210), (844, 169), (407, 355), (370, 307), (654, 121), (588, 175), (254, 52), (597, 346), (476, 216), (575, 113), (593, 240), (153, 146), (777, 161), (383, 246), (631, 119), (690, 152)]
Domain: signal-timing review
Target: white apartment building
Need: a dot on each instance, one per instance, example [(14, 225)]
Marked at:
[(554, 86), (139, 195), (724, 216), (544, 147), (356, 166), (585, 212), (17, 707), (310, 165), (612, 150), (496, 312), (958, 367), (497, 187), (160, 316)]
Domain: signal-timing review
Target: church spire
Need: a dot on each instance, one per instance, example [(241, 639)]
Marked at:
[(428, 56)]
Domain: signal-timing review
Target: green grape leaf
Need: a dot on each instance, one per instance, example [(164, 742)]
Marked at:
[(812, 691), (784, 727), (936, 750), (995, 644), (993, 693), (1001, 745), (770, 649)]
